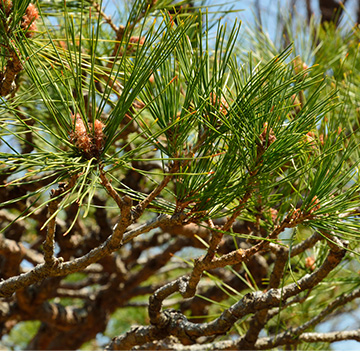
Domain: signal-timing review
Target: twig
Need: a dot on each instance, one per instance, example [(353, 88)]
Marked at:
[(156, 300), (202, 263), (161, 220), (144, 203), (338, 302), (152, 266), (176, 324), (110, 189), (60, 268), (264, 343), (269, 343), (105, 17), (49, 242), (238, 256), (226, 227), (12, 253), (259, 319)]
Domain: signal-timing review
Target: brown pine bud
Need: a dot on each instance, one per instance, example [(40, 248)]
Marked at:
[(28, 20)]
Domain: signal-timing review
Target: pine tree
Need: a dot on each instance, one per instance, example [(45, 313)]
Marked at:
[(165, 170)]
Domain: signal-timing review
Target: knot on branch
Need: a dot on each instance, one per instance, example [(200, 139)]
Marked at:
[(56, 193), (127, 201), (158, 318), (178, 325), (54, 264), (252, 302), (183, 282)]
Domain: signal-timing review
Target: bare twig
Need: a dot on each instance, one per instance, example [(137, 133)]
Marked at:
[(161, 220), (268, 343), (60, 268), (49, 242), (107, 19), (144, 203), (262, 344), (176, 324), (111, 191), (202, 264)]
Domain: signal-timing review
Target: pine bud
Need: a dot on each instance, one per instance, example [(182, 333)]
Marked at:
[(28, 20)]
